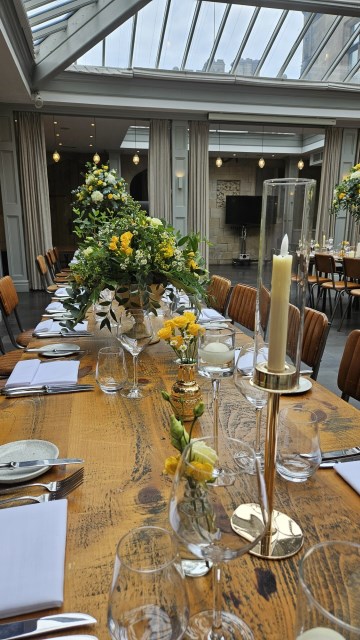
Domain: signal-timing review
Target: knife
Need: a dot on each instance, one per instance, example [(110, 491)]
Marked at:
[(329, 464), (76, 636), (45, 390), (40, 463), (36, 626), (341, 453)]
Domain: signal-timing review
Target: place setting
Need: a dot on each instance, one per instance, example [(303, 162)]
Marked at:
[(52, 328), (34, 377)]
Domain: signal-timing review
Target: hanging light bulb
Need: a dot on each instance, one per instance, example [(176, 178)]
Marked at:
[(136, 157), (218, 160), (261, 162), (56, 154), (96, 158), (300, 164)]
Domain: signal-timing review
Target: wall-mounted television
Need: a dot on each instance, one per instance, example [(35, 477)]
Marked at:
[(243, 210)]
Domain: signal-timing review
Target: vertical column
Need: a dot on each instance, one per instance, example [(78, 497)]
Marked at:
[(347, 160), (10, 193), (179, 150)]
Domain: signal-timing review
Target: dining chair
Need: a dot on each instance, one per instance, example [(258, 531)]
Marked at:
[(58, 277), (325, 264), (59, 268), (315, 333), (242, 305), (218, 293), (349, 370), (351, 268), (8, 360), (8, 305), (45, 274)]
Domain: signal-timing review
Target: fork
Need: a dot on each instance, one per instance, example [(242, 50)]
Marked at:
[(56, 485), (45, 497)]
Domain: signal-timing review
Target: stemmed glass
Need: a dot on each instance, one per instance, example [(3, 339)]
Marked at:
[(243, 376), (134, 332), (216, 360), (208, 486)]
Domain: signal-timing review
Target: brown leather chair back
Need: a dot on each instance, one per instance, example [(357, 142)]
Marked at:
[(8, 295), (349, 371), (41, 265), (316, 329), (242, 306), (218, 293)]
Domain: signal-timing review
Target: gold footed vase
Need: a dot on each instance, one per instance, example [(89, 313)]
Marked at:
[(185, 393)]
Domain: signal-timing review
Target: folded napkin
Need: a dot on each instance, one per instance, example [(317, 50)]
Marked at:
[(350, 471), (56, 327), (210, 315), (55, 306), (61, 292), (34, 372), (32, 557)]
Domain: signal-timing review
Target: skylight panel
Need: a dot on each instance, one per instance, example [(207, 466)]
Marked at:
[(148, 30), (258, 39), (93, 57), (176, 33), (204, 35), (233, 34), (283, 44), (117, 46)]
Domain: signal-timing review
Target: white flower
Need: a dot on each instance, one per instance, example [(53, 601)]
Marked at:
[(200, 452), (355, 174), (110, 179), (89, 178), (88, 251), (155, 222), (96, 196)]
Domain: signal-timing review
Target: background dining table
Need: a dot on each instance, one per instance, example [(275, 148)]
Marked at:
[(124, 444)]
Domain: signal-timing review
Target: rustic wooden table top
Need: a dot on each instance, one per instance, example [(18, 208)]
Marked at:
[(124, 444)]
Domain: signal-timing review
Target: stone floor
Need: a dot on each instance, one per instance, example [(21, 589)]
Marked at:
[(32, 304)]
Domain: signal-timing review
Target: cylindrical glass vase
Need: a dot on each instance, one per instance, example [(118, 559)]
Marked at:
[(284, 254)]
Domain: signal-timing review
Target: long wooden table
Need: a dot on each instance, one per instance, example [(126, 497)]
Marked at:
[(124, 443)]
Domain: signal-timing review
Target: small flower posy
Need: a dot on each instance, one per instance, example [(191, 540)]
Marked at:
[(347, 194), (181, 333)]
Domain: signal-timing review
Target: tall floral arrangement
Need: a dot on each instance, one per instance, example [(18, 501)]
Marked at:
[(347, 194), (122, 249)]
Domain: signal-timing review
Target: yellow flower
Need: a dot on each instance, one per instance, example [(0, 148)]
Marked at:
[(127, 250), (341, 196), (171, 464), (193, 265), (126, 238), (176, 342), (168, 251), (114, 239), (190, 316), (110, 195), (105, 167), (169, 323), (113, 246), (90, 188), (100, 182), (195, 329), (180, 321), (165, 333), (200, 471)]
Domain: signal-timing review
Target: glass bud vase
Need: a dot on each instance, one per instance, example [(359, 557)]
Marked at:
[(185, 392)]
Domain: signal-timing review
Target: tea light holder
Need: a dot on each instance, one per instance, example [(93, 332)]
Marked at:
[(284, 254)]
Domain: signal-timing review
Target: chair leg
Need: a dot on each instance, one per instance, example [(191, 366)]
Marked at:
[(344, 314)]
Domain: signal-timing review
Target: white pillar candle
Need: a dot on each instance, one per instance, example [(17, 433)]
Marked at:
[(279, 311), (324, 240), (216, 353), (357, 255), (320, 633)]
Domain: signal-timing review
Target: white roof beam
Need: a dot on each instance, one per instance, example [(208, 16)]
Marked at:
[(57, 12), (335, 7), (85, 28)]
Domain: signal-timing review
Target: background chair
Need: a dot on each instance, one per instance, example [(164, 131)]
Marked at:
[(8, 360), (242, 306), (351, 280), (349, 371), (45, 275), (325, 264), (8, 305), (218, 292), (58, 277), (316, 330)]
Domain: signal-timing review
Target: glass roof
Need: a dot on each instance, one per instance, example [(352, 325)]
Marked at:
[(204, 37)]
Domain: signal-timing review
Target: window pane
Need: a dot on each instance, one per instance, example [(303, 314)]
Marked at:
[(92, 57), (176, 33), (259, 37), (148, 30), (117, 46), (233, 34), (207, 26), (286, 37)]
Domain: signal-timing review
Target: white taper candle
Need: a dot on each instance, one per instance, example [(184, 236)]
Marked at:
[(279, 311)]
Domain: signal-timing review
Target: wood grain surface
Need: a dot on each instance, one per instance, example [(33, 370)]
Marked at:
[(124, 444)]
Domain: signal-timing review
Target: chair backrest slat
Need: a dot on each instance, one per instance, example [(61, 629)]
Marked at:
[(349, 371)]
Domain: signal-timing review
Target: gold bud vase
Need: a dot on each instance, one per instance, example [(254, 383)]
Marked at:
[(185, 393)]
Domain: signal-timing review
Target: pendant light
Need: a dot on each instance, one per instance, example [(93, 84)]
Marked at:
[(96, 157), (261, 162), (300, 164), (56, 154), (218, 160), (136, 158)]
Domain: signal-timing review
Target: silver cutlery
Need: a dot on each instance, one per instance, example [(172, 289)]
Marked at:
[(46, 624), (328, 464), (340, 453), (76, 636), (45, 497), (56, 485), (64, 334), (45, 390), (39, 463)]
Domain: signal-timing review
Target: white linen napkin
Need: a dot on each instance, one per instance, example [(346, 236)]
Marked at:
[(56, 327), (55, 306), (61, 293), (350, 472), (32, 557), (210, 315), (34, 372)]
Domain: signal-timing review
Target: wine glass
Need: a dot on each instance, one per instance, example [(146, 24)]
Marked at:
[(134, 332), (208, 486), (243, 378), (216, 360)]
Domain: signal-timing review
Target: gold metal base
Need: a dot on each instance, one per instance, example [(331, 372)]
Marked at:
[(286, 537)]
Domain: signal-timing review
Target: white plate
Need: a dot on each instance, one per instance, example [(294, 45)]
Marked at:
[(25, 450), (305, 384), (58, 350)]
